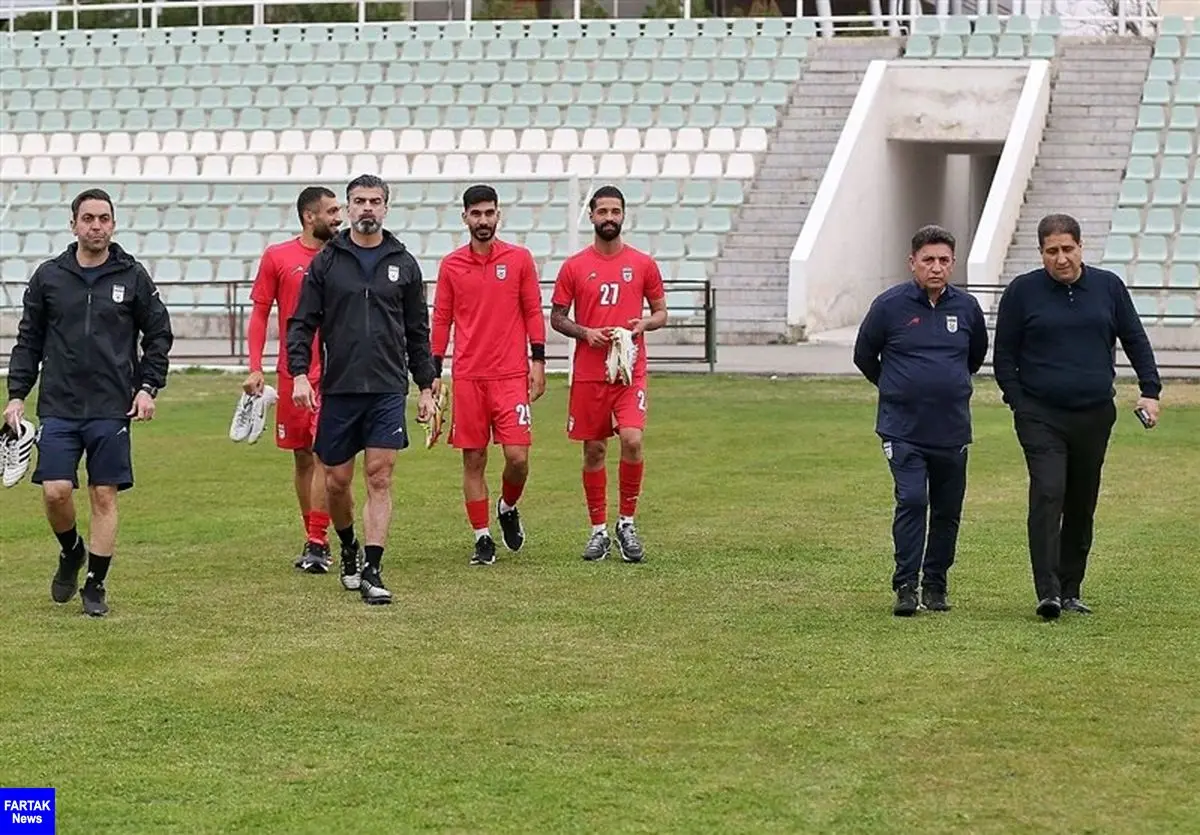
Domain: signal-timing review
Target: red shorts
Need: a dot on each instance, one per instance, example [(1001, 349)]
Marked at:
[(486, 411), (598, 410), (295, 426)]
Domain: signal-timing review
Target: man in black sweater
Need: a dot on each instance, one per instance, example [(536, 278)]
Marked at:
[(1056, 332)]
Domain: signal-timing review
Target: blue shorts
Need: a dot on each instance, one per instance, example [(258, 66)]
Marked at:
[(62, 442), (350, 423)]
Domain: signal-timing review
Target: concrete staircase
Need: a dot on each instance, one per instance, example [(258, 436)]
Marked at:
[(752, 274), (1085, 148)]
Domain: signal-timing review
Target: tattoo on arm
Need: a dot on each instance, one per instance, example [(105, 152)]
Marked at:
[(561, 322)]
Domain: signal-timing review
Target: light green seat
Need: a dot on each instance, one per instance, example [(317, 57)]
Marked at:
[(1180, 310), (949, 46), (1174, 26), (1167, 193), (1183, 275), (669, 247), (1140, 168), (1010, 46), (1126, 222), (980, 46), (1133, 193), (1188, 70), (928, 26), (1187, 249), (1145, 144), (1118, 249), (1189, 222), (1187, 91), (1162, 69), (729, 193), (1183, 117), (1147, 308), (696, 193), (988, 25), (1168, 47), (1151, 117), (1174, 168), (650, 220), (1152, 249), (1160, 221), (1156, 92), (703, 246), (1049, 25), (1019, 25)]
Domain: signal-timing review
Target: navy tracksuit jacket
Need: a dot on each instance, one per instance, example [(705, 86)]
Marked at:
[(921, 356)]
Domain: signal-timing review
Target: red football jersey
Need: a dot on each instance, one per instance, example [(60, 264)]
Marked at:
[(280, 277), (607, 291), (495, 307)]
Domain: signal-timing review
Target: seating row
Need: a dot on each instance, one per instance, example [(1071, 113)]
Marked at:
[(1163, 69), (980, 46), (1157, 221), (1159, 92), (1172, 310), (1185, 276), (1152, 249), (1166, 193)]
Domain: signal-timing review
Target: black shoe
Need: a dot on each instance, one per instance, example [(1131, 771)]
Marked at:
[(485, 551), (1074, 604), (597, 547), (372, 588), (93, 596), (316, 559), (66, 579), (352, 559), (934, 600), (906, 602), (1049, 608), (629, 543), (511, 530)]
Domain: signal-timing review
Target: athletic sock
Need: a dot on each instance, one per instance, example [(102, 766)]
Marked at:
[(317, 526), (346, 535), (477, 515), (373, 555), (595, 492), (98, 568), (624, 520), (510, 494), (630, 474), (601, 528), (71, 544)]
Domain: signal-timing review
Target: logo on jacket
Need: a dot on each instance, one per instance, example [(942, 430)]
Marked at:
[(118, 293), (952, 324), (916, 320), (501, 271), (887, 450), (627, 273), (393, 272)]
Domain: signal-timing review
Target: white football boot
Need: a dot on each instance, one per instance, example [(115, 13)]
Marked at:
[(621, 355), (258, 412), (16, 448)]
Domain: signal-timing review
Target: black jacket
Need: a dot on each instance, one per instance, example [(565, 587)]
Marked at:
[(373, 329), (85, 337)]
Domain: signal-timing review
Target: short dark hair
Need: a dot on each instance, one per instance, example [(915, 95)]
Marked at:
[(1058, 225), (606, 191), (479, 194), (91, 194), (931, 234), (309, 198), (369, 181)]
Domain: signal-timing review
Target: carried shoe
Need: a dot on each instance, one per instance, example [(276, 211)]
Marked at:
[(906, 602), (16, 448), (93, 597), (352, 560), (66, 579), (485, 551), (1074, 604), (1049, 608), (622, 353), (629, 543), (511, 530), (934, 600), (433, 429), (315, 559), (373, 591), (597, 547), (250, 415)]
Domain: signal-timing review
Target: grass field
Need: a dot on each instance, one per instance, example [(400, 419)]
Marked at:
[(748, 678)]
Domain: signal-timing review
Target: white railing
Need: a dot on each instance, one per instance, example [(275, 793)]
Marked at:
[(897, 20)]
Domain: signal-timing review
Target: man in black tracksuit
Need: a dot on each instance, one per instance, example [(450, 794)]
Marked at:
[(919, 344), (1056, 333), (83, 312), (363, 293)]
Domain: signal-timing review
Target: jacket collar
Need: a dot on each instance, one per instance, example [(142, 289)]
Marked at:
[(391, 243), (118, 260), (1080, 283), (916, 293)]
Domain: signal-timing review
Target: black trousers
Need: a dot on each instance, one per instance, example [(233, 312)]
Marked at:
[(930, 484), (1064, 451)]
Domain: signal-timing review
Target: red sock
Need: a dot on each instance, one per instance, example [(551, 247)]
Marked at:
[(316, 522), (631, 485), (510, 493), (477, 514), (595, 491)]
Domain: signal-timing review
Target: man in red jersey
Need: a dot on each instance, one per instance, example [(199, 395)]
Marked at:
[(487, 291), (607, 284), (280, 276)]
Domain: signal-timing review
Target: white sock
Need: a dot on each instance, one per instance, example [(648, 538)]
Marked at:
[(624, 520), (480, 533), (601, 528), (505, 507)]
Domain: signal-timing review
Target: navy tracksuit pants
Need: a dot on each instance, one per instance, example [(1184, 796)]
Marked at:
[(930, 485)]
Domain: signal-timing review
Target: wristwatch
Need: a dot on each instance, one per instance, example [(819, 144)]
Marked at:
[(150, 390)]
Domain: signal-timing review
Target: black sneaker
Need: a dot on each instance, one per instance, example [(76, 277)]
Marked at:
[(1049, 608), (93, 596), (316, 559), (511, 529), (372, 589), (352, 559), (485, 551), (66, 579), (629, 543), (934, 600), (906, 602), (1074, 604), (597, 547)]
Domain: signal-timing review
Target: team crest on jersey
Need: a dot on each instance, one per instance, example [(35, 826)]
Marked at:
[(501, 271), (118, 294), (627, 274), (394, 273), (952, 324)]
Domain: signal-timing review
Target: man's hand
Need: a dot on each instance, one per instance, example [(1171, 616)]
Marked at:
[(14, 412), (537, 380), (254, 383), (436, 387), (1151, 407), (597, 337), (143, 407), (426, 406), (637, 326), (302, 393)]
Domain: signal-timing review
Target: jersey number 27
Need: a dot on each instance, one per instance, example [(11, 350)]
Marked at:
[(609, 294)]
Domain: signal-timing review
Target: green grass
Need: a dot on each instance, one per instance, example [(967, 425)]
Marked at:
[(748, 678)]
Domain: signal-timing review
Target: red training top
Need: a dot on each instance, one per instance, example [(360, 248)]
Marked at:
[(280, 277)]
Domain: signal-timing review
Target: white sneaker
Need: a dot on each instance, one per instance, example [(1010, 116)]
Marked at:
[(622, 353), (258, 416), (16, 448)]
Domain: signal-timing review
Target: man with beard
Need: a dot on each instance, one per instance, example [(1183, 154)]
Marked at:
[(280, 276), (607, 284), (364, 295), (487, 291), (83, 312)]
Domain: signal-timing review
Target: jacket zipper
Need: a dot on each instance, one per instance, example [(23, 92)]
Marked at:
[(87, 329)]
